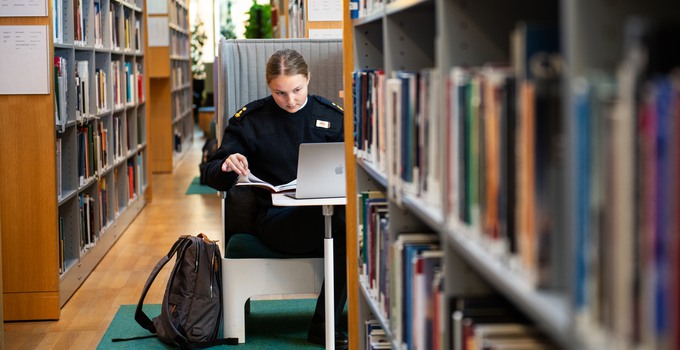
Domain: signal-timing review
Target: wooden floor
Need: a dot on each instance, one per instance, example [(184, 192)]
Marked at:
[(120, 276)]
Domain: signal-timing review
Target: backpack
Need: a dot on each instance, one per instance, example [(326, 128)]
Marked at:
[(191, 312), (209, 149)]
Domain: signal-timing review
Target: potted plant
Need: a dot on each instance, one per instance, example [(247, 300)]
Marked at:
[(198, 39), (259, 23), (227, 28)]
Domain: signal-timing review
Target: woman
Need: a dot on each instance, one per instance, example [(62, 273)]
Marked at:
[(263, 138)]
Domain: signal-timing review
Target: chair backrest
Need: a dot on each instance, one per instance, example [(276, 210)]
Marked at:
[(241, 76)]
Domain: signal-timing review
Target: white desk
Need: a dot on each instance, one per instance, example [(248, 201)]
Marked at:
[(280, 199)]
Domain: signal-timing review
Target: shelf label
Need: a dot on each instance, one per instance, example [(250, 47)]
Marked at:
[(24, 60), (159, 31), (324, 10), (23, 8)]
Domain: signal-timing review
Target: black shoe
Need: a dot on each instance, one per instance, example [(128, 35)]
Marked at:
[(317, 335)]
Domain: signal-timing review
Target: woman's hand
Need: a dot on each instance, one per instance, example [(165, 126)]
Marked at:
[(236, 163)]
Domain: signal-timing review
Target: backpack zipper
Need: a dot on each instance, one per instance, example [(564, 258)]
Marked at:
[(212, 264), (198, 253)]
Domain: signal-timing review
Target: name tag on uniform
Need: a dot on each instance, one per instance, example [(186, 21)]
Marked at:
[(323, 124)]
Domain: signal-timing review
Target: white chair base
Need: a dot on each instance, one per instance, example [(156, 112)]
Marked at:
[(245, 278)]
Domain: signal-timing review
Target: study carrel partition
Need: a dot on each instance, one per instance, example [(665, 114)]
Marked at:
[(249, 268)]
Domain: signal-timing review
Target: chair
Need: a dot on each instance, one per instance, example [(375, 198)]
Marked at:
[(249, 268)]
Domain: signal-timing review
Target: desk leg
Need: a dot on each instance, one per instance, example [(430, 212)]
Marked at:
[(329, 277)]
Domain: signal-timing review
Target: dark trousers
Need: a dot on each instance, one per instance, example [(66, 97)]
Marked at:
[(300, 230)]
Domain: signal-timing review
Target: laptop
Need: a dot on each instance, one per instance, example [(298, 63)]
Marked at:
[(321, 171)]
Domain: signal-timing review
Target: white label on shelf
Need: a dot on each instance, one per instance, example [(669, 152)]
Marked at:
[(157, 7), (24, 60), (23, 8), (159, 31), (325, 33), (324, 10)]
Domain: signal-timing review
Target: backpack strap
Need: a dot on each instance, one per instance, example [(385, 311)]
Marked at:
[(140, 316), (209, 344)]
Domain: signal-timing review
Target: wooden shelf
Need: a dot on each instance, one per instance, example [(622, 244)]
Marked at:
[(170, 93), (40, 193)]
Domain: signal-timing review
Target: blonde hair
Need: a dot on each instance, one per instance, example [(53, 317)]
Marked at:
[(286, 62)]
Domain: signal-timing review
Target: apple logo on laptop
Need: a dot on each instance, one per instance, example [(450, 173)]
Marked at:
[(338, 169)]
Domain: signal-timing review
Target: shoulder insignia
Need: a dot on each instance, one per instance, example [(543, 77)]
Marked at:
[(249, 108), (238, 114), (328, 103)]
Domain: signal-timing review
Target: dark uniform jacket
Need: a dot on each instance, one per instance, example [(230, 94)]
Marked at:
[(269, 137)]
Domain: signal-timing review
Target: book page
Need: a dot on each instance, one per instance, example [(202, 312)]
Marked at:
[(252, 180)]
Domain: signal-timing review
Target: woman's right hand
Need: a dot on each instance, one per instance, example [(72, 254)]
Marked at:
[(237, 163)]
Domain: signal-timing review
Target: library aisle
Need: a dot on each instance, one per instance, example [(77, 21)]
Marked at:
[(120, 276)]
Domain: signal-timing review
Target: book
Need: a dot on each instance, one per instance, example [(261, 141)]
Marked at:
[(392, 113), (424, 266), (470, 310), (251, 180), (409, 314), (404, 247)]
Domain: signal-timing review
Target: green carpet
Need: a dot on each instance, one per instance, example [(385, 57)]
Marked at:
[(196, 188), (271, 324)]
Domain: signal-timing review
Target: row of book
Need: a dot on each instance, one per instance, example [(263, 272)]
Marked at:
[(363, 8), (59, 166), (376, 337), (296, 18), (625, 178), (100, 90), (127, 87), (82, 90), (92, 155), (79, 30), (491, 160), (509, 168), (181, 103), (60, 91), (490, 322), (104, 216), (98, 25), (177, 141), (131, 37), (181, 76), (402, 273), (90, 227), (62, 255), (92, 151), (179, 14), (396, 132), (506, 165), (94, 148), (58, 19), (179, 44), (98, 210)]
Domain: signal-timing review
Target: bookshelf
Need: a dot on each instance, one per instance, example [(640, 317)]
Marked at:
[(294, 19), (93, 122), (505, 135), (2, 313), (170, 94)]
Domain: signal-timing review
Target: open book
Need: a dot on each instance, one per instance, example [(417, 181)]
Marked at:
[(252, 180)]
